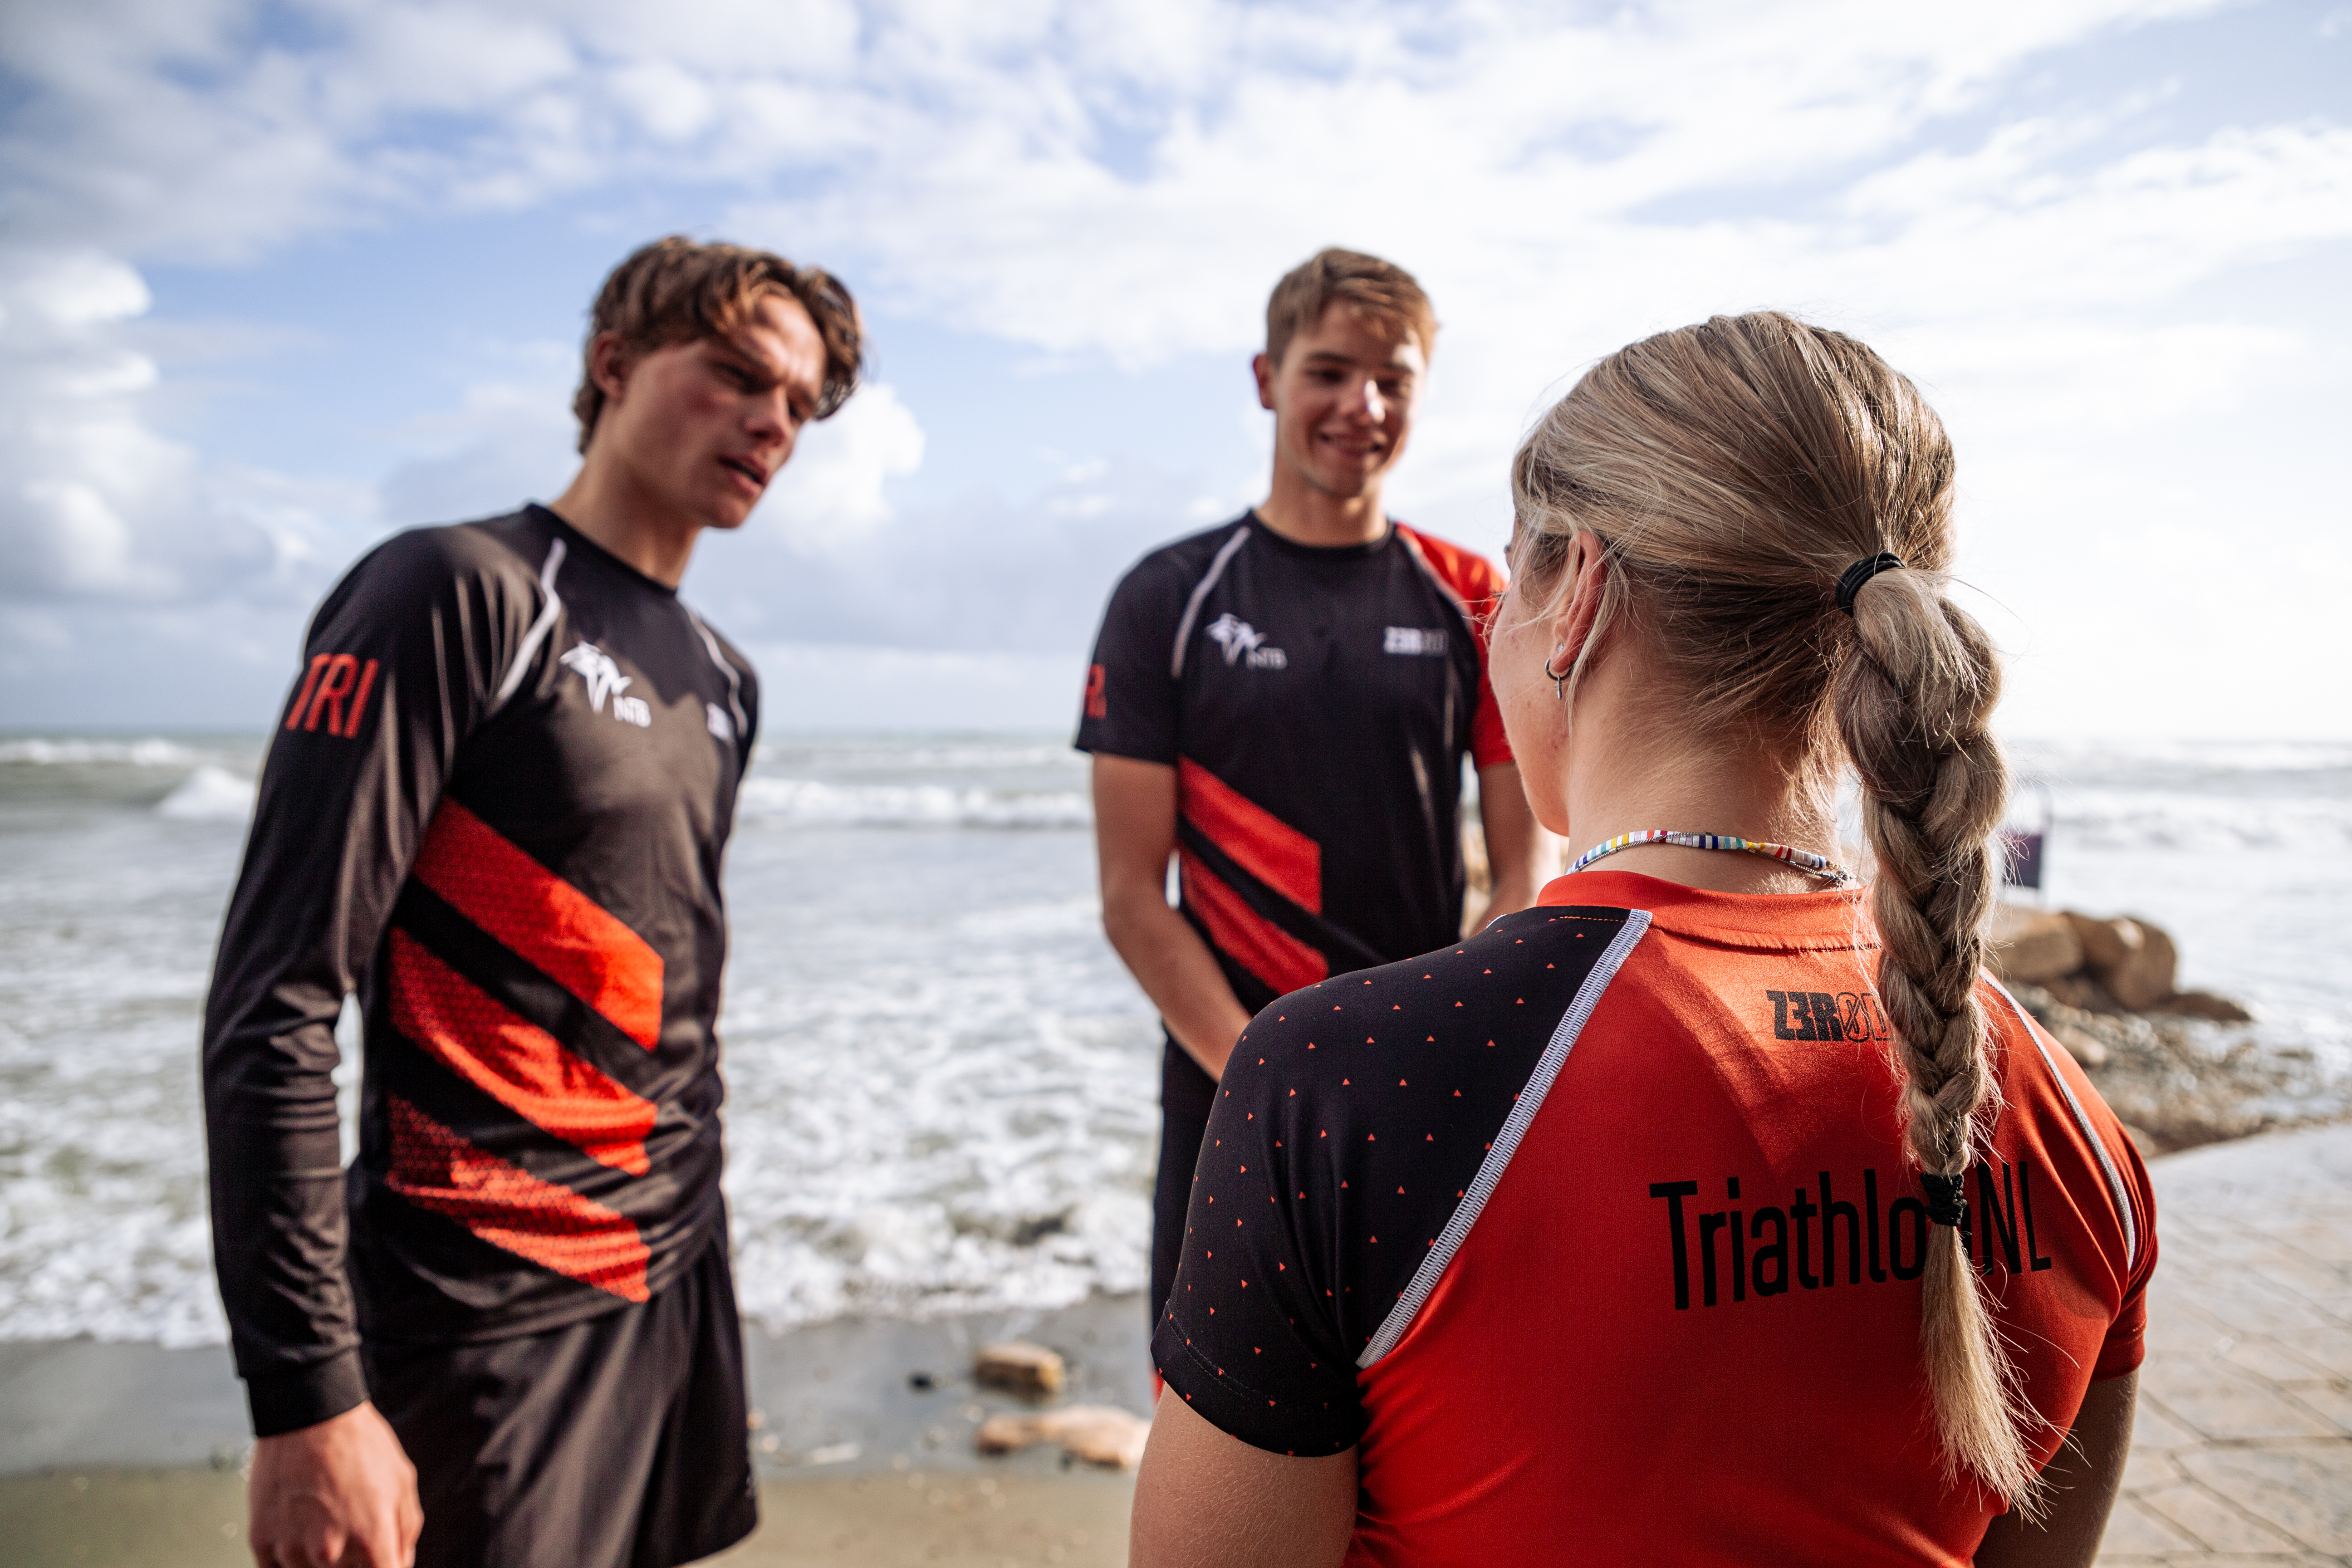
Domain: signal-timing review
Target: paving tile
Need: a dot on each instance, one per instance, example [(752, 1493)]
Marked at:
[(2302, 1489), (2132, 1529), (2333, 1401), (2329, 1348), (2213, 1522), (2327, 1238), (2220, 1403), (2250, 1304), (2149, 1468), (2153, 1431), (2301, 1274), (2266, 1358)]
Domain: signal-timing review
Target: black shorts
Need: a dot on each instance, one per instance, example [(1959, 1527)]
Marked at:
[(617, 1443), (1186, 1095)]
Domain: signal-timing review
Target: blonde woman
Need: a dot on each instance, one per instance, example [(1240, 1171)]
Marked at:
[(1719, 1207)]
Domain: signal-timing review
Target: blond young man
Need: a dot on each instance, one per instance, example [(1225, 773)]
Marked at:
[(1284, 704), (496, 808)]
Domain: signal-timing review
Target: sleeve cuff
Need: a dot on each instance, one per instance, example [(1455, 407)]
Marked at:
[(303, 1397), (1306, 1429)]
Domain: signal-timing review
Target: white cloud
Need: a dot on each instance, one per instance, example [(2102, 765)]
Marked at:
[(94, 504), (831, 493), (1122, 179)]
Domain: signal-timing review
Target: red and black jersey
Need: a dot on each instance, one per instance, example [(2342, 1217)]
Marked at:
[(495, 807), (1596, 1236), (1316, 703)]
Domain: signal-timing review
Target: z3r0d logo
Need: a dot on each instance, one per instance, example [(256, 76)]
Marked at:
[(603, 678), (1245, 643)]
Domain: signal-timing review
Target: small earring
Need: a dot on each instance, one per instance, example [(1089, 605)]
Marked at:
[(1559, 690)]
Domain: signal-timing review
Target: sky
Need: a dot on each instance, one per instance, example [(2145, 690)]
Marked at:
[(278, 278)]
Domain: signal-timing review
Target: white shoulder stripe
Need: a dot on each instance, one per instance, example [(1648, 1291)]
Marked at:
[(1506, 1142), (1239, 537), (2107, 1166), (539, 627), (734, 678)]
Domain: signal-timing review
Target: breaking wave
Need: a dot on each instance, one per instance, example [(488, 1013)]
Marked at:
[(806, 803), (147, 754), (209, 794)]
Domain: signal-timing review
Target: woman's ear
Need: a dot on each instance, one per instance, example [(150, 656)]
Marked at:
[(1585, 582)]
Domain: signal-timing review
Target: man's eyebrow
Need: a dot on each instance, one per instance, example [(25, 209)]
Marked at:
[(750, 357), (1326, 356)]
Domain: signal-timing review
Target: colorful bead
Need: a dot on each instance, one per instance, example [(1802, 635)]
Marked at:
[(1804, 860)]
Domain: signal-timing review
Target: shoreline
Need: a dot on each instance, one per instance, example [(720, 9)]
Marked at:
[(835, 1398)]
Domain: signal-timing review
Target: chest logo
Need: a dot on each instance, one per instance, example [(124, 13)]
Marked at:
[(1425, 641), (1244, 643), (603, 678)]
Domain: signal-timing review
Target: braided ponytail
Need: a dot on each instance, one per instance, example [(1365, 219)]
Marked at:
[(1911, 706), (1732, 471)]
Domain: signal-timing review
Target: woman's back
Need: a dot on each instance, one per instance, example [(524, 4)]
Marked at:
[(1597, 1235)]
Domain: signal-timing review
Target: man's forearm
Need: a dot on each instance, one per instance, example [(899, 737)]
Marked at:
[(1179, 974)]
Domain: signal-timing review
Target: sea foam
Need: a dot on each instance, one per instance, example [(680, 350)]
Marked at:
[(209, 794)]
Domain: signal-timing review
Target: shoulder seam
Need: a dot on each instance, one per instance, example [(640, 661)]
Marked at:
[(1571, 1023), (1233, 541), (539, 627), (2115, 1188), (734, 678)]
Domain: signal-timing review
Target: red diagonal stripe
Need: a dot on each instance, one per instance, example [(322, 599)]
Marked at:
[(1260, 843), (1256, 943), (546, 921), (521, 1067), (509, 1208)]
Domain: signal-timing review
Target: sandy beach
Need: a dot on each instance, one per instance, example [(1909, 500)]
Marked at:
[(128, 1456)]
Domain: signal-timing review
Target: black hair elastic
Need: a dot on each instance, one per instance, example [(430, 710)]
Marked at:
[(1861, 571), (1947, 1203)]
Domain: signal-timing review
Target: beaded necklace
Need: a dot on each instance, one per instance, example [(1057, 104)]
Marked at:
[(1804, 860)]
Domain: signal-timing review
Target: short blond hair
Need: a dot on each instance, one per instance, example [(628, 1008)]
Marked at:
[(1378, 291)]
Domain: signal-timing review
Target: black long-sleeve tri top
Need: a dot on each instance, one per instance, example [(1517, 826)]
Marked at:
[(494, 807)]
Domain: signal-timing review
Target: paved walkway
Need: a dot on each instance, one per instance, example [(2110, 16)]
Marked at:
[(2243, 1449)]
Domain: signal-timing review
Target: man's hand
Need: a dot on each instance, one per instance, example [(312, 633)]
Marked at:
[(340, 1494)]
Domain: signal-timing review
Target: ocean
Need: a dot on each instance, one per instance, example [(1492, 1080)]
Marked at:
[(940, 1081)]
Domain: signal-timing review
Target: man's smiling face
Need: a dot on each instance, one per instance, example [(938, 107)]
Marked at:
[(696, 429), (1343, 399)]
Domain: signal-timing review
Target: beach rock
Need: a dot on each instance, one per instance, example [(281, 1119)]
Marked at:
[(2081, 990), (2203, 1004), (2179, 1080), (2032, 945), (1019, 1367), (1098, 1434), (2082, 1045), (2134, 959)]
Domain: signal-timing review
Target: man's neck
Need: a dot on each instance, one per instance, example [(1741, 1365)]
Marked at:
[(1305, 515), (630, 527)]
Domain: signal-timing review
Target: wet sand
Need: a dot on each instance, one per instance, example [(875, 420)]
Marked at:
[(195, 1519), (130, 1454)]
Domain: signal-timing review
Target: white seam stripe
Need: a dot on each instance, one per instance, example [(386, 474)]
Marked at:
[(539, 627), (2083, 1119), (1506, 1142), (734, 681), (1192, 606)]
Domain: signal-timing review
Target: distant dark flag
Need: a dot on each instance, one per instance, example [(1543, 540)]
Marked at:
[(2021, 857), (2022, 849)]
